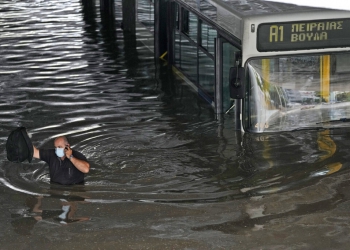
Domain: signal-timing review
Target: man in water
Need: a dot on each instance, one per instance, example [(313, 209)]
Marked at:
[(66, 166)]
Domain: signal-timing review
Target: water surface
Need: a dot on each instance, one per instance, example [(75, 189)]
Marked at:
[(165, 172)]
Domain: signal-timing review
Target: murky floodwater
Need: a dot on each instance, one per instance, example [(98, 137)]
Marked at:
[(165, 174)]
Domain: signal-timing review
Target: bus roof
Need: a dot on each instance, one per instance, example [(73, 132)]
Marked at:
[(231, 14), (261, 7), (243, 8)]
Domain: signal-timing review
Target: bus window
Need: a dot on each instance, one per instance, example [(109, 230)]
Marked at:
[(208, 35), (189, 24), (342, 63), (177, 16), (294, 92)]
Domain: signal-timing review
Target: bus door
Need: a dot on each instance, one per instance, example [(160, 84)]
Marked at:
[(226, 59)]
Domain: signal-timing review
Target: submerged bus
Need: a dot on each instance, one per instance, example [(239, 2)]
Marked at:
[(284, 67)]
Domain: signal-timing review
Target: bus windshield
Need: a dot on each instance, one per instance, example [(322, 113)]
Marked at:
[(297, 92)]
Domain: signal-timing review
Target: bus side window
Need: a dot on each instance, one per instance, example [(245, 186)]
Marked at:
[(185, 21), (177, 19)]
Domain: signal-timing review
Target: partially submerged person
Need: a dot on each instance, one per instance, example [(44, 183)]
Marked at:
[(66, 166)]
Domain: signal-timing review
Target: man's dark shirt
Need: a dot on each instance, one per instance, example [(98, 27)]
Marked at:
[(62, 171)]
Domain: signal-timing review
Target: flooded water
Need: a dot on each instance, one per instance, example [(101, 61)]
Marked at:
[(165, 173)]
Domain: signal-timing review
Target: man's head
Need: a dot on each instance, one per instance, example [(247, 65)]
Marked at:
[(61, 143)]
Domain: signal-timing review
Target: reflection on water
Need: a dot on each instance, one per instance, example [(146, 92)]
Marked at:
[(161, 165), (63, 213)]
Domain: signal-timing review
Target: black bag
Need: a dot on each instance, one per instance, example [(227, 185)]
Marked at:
[(19, 147)]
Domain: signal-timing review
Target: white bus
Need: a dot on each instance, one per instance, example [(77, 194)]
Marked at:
[(287, 67)]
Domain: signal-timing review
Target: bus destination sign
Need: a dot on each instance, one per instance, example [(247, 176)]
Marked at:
[(315, 34)]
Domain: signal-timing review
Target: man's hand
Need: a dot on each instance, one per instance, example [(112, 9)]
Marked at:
[(36, 153), (68, 151)]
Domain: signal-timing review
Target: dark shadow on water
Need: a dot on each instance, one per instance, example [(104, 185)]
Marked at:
[(89, 17)]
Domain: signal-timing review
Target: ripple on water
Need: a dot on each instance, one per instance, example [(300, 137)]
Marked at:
[(148, 137)]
